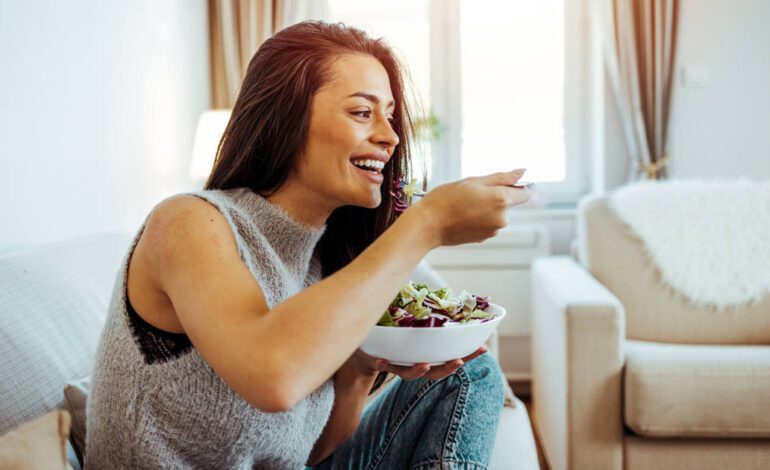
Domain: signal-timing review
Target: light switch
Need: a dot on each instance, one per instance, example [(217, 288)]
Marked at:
[(694, 75)]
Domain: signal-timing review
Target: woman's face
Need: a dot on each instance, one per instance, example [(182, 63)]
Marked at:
[(349, 126)]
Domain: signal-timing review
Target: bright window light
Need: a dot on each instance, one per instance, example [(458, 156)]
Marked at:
[(512, 92)]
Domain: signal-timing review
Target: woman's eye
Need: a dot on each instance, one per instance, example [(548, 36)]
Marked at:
[(366, 114)]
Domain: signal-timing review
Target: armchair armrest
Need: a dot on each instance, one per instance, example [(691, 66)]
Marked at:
[(578, 331)]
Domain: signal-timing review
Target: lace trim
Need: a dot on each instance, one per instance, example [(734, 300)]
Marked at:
[(156, 345)]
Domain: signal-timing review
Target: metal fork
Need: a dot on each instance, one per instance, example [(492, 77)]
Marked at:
[(517, 185)]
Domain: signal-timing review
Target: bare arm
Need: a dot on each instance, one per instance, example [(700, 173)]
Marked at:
[(274, 360), (266, 358)]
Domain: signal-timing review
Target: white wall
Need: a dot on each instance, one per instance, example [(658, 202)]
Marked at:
[(98, 106), (720, 129)]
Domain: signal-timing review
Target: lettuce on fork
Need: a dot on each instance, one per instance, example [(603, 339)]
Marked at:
[(416, 305)]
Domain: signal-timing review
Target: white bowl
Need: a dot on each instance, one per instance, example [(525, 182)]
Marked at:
[(406, 346)]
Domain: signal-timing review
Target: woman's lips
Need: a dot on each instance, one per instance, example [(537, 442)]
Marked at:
[(375, 177)]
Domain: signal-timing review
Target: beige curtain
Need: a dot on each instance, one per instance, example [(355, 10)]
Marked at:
[(639, 38), (236, 30)]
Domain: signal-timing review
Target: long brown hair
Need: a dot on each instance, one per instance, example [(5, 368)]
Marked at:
[(268, 128)]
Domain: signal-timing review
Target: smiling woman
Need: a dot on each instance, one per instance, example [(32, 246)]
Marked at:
[(347, 109), (233, 337)]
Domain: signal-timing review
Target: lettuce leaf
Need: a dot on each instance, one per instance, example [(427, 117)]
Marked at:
[(418, 310), (387, 320), (416, 305)]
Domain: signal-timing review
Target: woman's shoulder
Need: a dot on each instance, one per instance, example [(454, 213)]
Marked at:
[(212, 203), (184, 209), (183, 222)]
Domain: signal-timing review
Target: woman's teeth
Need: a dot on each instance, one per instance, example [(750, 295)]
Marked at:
[(370, 165)]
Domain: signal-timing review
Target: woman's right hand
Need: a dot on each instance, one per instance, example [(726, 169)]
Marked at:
[(472, 209)]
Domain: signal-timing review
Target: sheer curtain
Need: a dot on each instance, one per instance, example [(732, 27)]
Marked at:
[(639, 39), (236, 30)]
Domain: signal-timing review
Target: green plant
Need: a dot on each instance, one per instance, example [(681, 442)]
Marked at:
[(428, 127)]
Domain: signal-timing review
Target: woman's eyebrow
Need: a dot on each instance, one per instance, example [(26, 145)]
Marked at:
[(374, 99)]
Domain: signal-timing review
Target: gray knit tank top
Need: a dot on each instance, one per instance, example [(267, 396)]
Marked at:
[(179, 413)]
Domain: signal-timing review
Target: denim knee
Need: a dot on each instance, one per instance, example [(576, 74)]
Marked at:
[(484, 371)]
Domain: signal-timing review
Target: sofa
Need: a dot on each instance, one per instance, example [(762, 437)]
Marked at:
[(630, 375), (53, 300)]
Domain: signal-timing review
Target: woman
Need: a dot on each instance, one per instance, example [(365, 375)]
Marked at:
[(232, 336)]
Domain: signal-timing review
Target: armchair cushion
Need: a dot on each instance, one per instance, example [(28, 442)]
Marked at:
[(677, 390)]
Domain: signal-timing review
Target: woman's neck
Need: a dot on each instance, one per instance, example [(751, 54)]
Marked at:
[(301, 205)]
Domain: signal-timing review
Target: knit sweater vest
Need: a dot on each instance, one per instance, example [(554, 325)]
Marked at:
[(178, 413)]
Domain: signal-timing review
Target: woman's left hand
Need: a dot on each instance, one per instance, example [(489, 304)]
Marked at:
[(367, 364)]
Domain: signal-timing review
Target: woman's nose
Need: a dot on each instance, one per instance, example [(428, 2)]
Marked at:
[(385, 135)]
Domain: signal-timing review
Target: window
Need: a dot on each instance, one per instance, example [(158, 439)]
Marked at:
[(504, 78), (512, 95)]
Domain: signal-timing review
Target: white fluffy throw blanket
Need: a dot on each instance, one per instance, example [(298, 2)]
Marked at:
[(709, 239)]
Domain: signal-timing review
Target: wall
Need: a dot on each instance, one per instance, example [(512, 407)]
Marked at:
[(721, 128), (98, 106), (718, 129)]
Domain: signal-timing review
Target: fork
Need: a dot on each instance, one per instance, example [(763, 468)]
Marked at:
[(517, 185)]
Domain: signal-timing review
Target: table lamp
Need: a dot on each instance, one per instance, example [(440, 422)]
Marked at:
[(211, 126)]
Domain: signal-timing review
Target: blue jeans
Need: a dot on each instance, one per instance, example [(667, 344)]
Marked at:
[(428, 424)]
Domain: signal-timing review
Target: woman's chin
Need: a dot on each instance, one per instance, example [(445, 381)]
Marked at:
[(372, 202)]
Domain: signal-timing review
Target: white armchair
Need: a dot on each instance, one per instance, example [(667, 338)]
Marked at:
[(628, 375)]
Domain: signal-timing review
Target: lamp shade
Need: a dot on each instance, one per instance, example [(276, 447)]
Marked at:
[(211, 126)]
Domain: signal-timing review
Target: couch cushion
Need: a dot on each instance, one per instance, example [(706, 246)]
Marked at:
[(677, 390), (53, 301), (695, 454), (655, 311), (515, 447), (75, 398), (38, 444)]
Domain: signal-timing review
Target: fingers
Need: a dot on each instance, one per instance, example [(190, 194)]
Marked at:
[(505, 178), (514, 196), (503, 182), (448, 368), (475, 354), (410, 372), (405, 372), (424, 370)]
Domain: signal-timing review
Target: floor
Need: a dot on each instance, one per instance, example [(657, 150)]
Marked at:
[(521, 389)]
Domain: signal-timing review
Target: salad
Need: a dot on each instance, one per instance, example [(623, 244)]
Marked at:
[(418, 306), (403, 193)]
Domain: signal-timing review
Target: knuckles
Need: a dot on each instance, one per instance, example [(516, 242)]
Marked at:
[(500, 202)]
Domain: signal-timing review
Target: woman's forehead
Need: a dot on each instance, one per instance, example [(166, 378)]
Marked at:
[(357, 75)]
